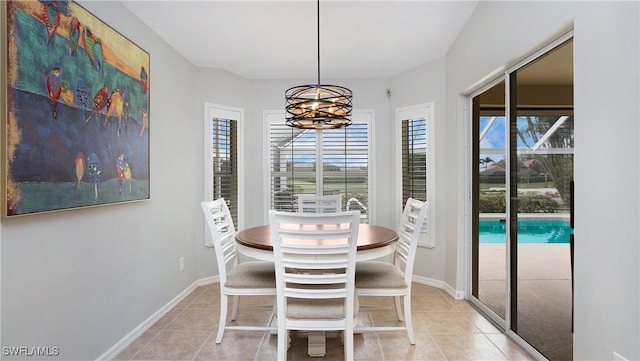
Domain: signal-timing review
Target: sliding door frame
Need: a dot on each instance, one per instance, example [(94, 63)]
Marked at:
[(472, 221), (508, 76)]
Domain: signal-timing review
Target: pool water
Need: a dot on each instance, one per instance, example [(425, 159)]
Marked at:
[(529, 231)]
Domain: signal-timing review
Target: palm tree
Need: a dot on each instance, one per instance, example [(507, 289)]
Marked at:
[(486, 162), (558, 166)]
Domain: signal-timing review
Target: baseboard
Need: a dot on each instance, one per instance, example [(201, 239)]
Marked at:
[(146, 324), (208, 280), (458, 295), (428, 281)]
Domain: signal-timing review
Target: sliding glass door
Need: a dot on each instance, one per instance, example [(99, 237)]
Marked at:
[(541, 156), (522, 176), (489, 202)]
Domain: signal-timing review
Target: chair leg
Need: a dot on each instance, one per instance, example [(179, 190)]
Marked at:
[(283, 341), (234, 308), (407, 319), (223, 317), (397, 303), (348, 344)]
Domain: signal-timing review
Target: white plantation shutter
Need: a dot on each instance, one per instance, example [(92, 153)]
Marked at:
[(287, 177), (224, 165), (223, 159), (346, 166), (416, 162), (318, 162)]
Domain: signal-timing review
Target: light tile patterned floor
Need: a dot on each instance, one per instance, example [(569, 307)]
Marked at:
[(445, 329)]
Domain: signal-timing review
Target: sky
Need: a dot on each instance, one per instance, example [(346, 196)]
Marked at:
[(494, 138)]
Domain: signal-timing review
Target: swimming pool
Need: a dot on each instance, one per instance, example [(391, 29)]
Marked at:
[(529, 231)]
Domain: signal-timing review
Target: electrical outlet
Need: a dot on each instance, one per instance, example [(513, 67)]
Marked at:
[(181, 264)]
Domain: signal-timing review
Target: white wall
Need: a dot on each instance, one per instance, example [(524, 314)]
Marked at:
[(82, 279), (425, 84), (223, 88), (607, 204), (606, 97)]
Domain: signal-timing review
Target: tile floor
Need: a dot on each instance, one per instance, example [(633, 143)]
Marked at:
[(446, 329)]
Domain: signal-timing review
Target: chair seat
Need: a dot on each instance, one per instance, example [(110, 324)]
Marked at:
[(377, 274), (254, 274), (324, 309), (393, 279)]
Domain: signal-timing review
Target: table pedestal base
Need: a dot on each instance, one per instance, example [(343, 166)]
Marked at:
[(317, 344)]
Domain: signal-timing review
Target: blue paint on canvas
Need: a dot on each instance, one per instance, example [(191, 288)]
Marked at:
[(65, 106)]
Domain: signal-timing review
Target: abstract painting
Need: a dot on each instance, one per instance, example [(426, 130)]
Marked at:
[(76, 96)]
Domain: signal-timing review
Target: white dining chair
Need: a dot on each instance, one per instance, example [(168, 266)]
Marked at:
[(315, 256), (312, 203), (252, 278), (393, 279)]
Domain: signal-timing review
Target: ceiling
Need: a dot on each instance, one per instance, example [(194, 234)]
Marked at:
[(554, 68), (278, 39)]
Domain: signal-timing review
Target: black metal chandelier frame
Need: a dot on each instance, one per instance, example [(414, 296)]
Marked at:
[(318, 106)]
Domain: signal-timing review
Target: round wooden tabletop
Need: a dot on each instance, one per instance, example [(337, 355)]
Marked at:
[(369, 237)]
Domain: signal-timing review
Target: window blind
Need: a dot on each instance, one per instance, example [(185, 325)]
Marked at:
[(346, 166), (319, 162), (224, 163), (414, 159), (416, 162)]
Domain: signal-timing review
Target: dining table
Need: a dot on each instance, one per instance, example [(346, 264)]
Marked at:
[(373, 242)]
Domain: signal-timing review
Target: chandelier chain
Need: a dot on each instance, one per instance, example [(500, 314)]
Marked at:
[(318, 106), (318, 24)]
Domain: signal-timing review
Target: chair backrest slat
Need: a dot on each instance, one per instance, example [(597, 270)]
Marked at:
[(412, 219), (311, 203), (314, 254), (222, 233)]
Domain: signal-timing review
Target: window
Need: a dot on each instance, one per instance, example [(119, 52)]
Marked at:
[(222, 159), (416, 162), (306, 161), (414, 159)]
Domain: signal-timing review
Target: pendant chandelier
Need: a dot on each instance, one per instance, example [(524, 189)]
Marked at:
[(318, 106)]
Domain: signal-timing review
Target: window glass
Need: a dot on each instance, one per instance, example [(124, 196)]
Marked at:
[(224, 165), (309, 161)]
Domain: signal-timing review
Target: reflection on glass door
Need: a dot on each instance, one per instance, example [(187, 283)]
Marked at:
[(489, 200), (541, 174)]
